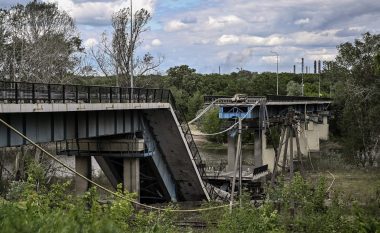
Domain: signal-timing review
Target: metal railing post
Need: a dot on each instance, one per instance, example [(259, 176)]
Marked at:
[(16, 93), (110, 94), (138, 95), (63, 94), (120, 94), (100, 94), (49, 93), (88, 94), (33, 93), (76, 94)]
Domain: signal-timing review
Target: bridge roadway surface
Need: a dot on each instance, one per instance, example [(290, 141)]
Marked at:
[(55, 113)]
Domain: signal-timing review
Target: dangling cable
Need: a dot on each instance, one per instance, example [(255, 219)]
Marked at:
[(203, 112), (232, 126)]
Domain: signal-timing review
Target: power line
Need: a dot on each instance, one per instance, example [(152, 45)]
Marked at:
[(232, 126)]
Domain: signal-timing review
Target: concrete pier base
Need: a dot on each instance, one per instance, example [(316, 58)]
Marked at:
[(131, 175), (324, 129), (83, 166), (258, 147), (231, 152)]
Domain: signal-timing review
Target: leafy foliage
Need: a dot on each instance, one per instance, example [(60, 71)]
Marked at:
[(212, 124), (298, 206), (293, 88), (357, 97), (38, 42)]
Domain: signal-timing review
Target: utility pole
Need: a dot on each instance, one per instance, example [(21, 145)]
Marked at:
[(240, 167), (277, 67), (131, 51), (319, 78), (237, 159), (302, 76)]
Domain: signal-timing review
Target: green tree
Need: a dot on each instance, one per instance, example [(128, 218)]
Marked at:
[(42, 43), (293, 88), (358, 97), (179, 73), (212, 124)]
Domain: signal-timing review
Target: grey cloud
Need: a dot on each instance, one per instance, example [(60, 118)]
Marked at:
[(348, 32), (238, 58), (189, 20), (330, 23), (101, 22)]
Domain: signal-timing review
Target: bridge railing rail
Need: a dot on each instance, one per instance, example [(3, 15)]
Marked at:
[(276, 98), (129, 148), (20, 92), (287, 98)]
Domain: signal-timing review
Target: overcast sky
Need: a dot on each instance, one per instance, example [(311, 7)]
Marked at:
[(205, 34)]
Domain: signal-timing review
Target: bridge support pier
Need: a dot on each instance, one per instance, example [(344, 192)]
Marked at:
[(83, 166), (258, 147), (131, 175), (231, 152), (324, 129)]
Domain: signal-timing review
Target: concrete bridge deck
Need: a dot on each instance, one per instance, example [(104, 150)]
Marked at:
[(59, 113)]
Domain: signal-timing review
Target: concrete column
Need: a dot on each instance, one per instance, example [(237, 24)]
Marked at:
[(131, 175), (324, 119), (258, 153), (312, 137), (324, 129), (231, 151), (83, 166), (302, 138)]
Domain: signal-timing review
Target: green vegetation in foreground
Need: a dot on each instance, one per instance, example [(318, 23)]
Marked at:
[(299, 206)]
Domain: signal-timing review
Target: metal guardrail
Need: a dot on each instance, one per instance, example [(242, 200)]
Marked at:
[(295, 98), (133, 148), (252, 99), (211, 98), (225, 100), (23, 92)]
